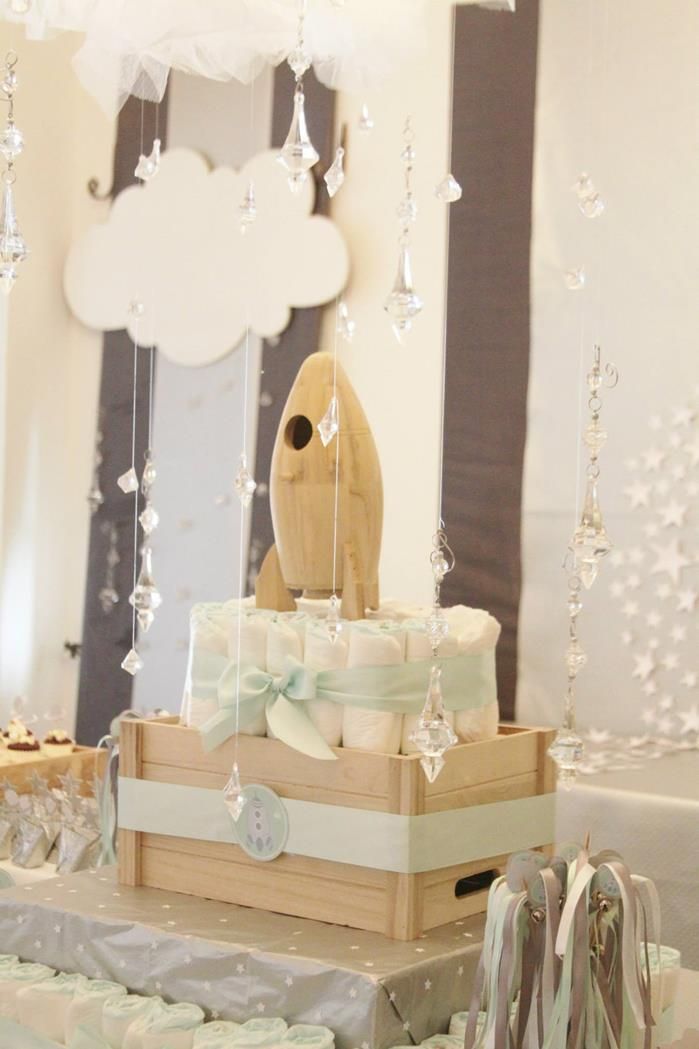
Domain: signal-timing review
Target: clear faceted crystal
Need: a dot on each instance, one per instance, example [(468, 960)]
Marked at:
[(583, 186), (299, 62), (298, 154), (365, 121), (8, 84), (333, 623), (233, 797), (108, 597), (8, 276), (345, 326), (146, 596), (595, 438), (440, 567), (590, 540), (329, 425), (132, 662), (433, 734), (448, 190), (149, 475), (148, 166), (11, 141), (248, 209), (567, 750), (128, 482), (436, 626), (407, 209), (136, 308), (95, 498), (335, 175), (403, 304), (575, 658), (12, 246), (145, 618), (592, 206), (244, 483), (574, 279), (150, 519)]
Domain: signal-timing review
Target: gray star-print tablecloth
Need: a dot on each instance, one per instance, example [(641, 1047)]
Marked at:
[(236, 962)]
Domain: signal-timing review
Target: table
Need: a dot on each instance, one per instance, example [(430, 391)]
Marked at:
[(651, 816)]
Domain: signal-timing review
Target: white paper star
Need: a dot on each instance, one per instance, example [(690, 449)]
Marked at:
[(653, 619), (626, 637), (599, 736), (630, 609), (289, 981), (364, 1045), (158, 985), (645, 665), (616, 589), (666, 702), (689, 719), (460, 971), (678, 633), (662, 486), (633, 581), (648, 716), (353, 992), (689, 680), (240, 969), (261, 1007), (653, 459), (671, 661), (670, 559), (37, 944), (678, 472), (649, 688), (686, 600), (638, 493), (673, 514), (665, 726), (428, 985), (215, 1014), (56, 928), (663, 591), (392, 996), (406, 1025)]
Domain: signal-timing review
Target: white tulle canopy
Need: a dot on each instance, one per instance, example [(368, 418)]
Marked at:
[(131, 45)]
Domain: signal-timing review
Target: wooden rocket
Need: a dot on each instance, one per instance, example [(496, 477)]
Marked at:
[(303, 494)]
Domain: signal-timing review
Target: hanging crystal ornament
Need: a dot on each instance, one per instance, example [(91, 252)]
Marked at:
[(243, 482), (574, 279), (146, 598), (448, 190), (233, 797), (128, 482), (248, 209), (149, 518), (590, 542), (298, 154), (148, 166), (149, 474), (590, 202), (344, 325), (132, 662), (567, 749), (433, 734), (335, 175), (95, 496), (13, 248), (329, 425), (365, 122), (108, 595), (333, 623), (403, 304)]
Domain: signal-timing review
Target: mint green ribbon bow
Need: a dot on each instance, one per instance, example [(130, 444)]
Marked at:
[(468, 682)]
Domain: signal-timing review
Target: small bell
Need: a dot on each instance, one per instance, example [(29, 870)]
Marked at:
[(335, 175), (590, 541), (233, 796), (146, 596), (403, 304), (298, 154), (329, 425), (248, 209), (148, 166), (12, 246)]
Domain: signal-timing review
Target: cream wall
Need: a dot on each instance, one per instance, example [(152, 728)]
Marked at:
[(400, 386), (50, 376)]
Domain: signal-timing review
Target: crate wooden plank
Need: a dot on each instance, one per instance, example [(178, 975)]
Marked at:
[(511, 788), (471, 764), (130, 764)]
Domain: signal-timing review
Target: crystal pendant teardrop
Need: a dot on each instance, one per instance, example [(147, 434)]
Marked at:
[(403, 304), (333, 623), (335, 175), (366, 122), (149, 475), (590, 540), (244, 483), (433, 734), (148, 166), (132, 662), (448, 190), (146, 596), (329, 425), (298, 155), (248, 209), (150, 519), (345, 326), (233, 796), (11, 141), (567, 750), (128, 482), (12, 246)]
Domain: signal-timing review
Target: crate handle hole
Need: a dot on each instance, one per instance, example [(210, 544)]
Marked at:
[(474, 883)]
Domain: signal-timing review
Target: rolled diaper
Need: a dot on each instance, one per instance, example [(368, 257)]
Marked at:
[(208, 631), (43, 1006), (247, 636), (475, 631), (282, 641), (418, 650), (84, 1037), (297, 621), (86, 1008), (320, 653), (121, 1011), (458, 1023), (166, 1027), (663, 996), (260, 1033), (309, 1036), (7, 961), (218, 1034), (371, 729), (16, 977)]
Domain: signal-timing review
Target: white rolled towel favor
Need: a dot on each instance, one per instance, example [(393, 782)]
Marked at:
[(85, 1010), (14, 979), (370, 729), (208, 632), (418, 650), (165, 1027), (121, 1011), (309, 1036), (43, 1006), (260, 1033), (320, 653), (218, 1034)]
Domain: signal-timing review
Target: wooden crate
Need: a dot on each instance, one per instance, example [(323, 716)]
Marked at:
[(402, 906), (84, 763)]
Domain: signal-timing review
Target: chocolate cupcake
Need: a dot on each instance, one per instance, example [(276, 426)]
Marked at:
[(57, 742)]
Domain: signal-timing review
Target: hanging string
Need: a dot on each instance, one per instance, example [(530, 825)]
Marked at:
[(133, 467), (337, 450)]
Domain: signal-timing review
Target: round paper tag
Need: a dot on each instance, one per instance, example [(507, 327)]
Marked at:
[(522, 869), (605, 882), (263, 826)]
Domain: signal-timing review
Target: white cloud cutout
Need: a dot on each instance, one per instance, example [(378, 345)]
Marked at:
[(175, 245)]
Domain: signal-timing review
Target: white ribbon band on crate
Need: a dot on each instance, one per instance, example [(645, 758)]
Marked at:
[(379, 840)]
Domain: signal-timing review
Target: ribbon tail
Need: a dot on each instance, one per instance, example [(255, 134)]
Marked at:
[(290, 723)]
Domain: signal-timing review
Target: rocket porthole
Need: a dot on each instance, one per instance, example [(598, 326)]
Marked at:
[(298, 432)]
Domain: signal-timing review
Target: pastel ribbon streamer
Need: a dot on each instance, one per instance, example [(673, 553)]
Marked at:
[(468, 682), (309, 1036)]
